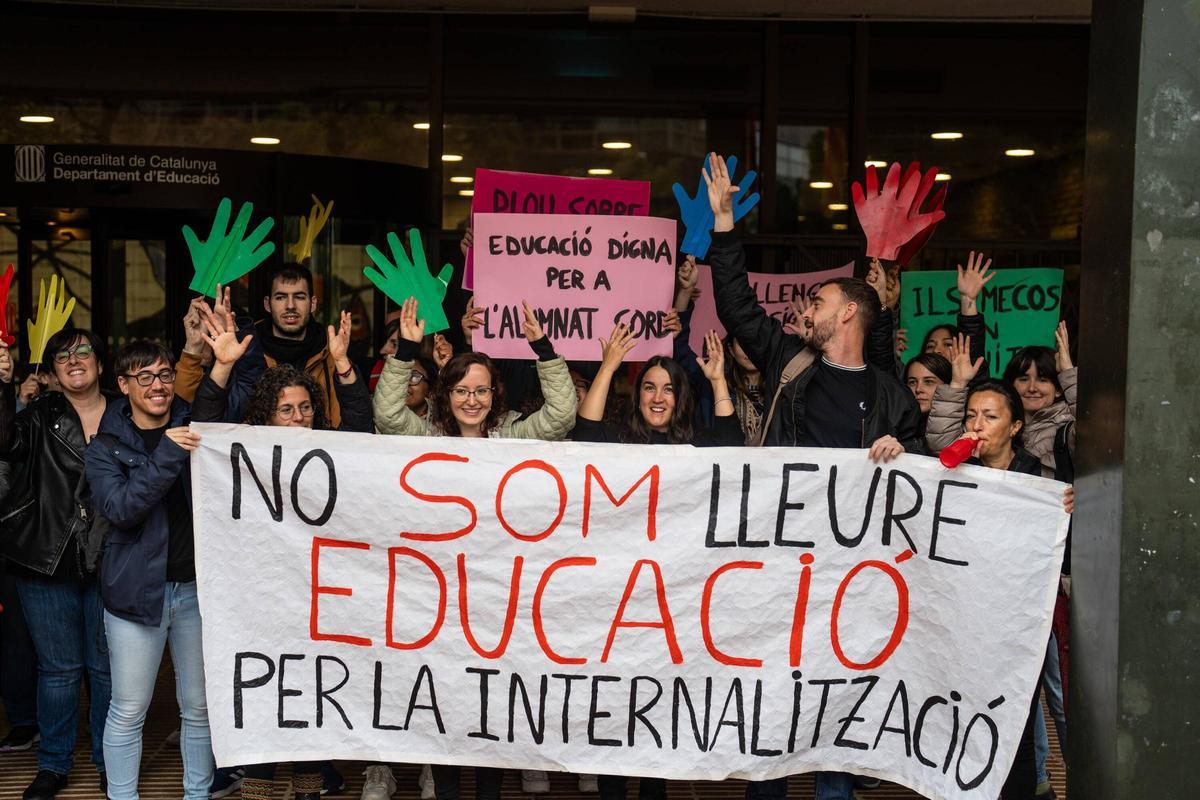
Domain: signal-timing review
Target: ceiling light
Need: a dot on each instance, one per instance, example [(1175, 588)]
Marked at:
[(466, 192), (942, 176), (462, 179), (51, 223), (617, 145), (876, 164), (599, 171), (820, 185), (838, 206), (421, 126), (37, 118), (264, 140), (1019, 152), (840, 226), (946, 135), (3, 213), (451, 157)]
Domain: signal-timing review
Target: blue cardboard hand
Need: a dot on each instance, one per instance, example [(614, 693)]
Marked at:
[(697, 215)]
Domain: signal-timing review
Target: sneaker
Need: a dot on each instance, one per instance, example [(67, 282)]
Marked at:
[(332, 781), (864, 782), (588, 784), (379, 784), (534, 781), (226, 781), (22, 737), (45, 786), (1044, 791), (426, 781)]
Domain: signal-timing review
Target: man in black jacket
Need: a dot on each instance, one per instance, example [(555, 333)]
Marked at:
[(819, 390)]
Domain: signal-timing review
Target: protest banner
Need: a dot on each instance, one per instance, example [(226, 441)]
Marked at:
[(617, 609), (1020, 306), (774, 291), (581, 275), (503, 192)]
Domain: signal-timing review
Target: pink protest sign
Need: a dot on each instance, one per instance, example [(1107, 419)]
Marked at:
[(502, 192), (774, 292), (581, 274)]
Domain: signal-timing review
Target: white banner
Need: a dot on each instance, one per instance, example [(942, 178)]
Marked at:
[(664, 611)]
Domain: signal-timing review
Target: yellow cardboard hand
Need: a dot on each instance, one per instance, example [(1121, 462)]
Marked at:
[(310, 228), (53, 311)]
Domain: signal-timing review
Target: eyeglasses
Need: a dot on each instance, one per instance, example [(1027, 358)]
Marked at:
[(462, 392), (167, 376), (416, 379), (81, 351), (289, 412)]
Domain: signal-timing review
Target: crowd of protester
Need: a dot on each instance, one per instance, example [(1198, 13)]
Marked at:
[(96, 532)]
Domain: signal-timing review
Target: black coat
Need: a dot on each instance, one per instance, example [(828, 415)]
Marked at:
[(891, 408), (44, 448)]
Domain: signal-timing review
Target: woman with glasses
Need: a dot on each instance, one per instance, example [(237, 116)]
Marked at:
[(468, 401), (283, 396), (46, 521), (469, 397)]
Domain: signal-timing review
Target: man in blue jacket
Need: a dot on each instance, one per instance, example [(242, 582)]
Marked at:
[(137, 467)]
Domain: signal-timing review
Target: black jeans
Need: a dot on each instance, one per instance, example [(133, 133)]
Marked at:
[(447, 779), (615, 787), (1021, 783)]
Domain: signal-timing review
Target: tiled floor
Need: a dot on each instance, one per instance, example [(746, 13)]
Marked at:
[(161, 771)]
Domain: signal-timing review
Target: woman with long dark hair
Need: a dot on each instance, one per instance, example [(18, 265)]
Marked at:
[(663, 410), (923, 374)]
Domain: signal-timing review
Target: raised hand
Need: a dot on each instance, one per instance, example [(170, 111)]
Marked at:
[(686, 277), (30, 388), (6, 364), (972, 280), (695, 211), (221, 335), (615, 347), (962, 369), (877, 280), (672, 323), (1062, 348), (892, 299), (338, 341), (530, 325), (796, 309), (443, 351), (713, 367), (892, 217), (227, 254), (901, 341), (193, 327), (467, 241), (471, 320), (403, 277), (412, 328)]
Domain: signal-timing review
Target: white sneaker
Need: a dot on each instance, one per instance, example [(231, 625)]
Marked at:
[(380, 784), (534, 781), (588, 785), (426, 781)]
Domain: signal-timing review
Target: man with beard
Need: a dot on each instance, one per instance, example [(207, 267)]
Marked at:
[(819, 390), (291, 336)]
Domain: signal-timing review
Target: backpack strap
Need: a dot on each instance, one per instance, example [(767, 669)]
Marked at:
[(791, 370)]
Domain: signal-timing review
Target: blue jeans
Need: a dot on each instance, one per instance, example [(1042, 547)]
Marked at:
[(18, 664), (65, 619), (136, 652), (829, 786), (1052, 684)]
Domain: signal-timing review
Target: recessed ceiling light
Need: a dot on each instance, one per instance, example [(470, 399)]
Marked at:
[(51, 223), (3, 213), (942, 176), (876, 164), (462, 179), (946, 135), (599, 171), (1019, 152), (40, 119), (617, 145), (466, 192), (264, 140), (840, 226), (820, 184), (451, 157), (421, 126), (838, 206)]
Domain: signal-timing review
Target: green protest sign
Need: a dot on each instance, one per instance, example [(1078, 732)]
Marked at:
[(1020, 306)]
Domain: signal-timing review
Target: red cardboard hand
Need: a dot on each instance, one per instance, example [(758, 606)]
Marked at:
[(5, 283), (892, 218), (935, 203)]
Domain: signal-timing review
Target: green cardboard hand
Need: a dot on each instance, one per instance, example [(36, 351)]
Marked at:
[(226, 256), (403, 278)]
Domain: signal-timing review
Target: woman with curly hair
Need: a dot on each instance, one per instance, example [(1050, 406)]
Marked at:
[(468, 400), (283, 396)]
